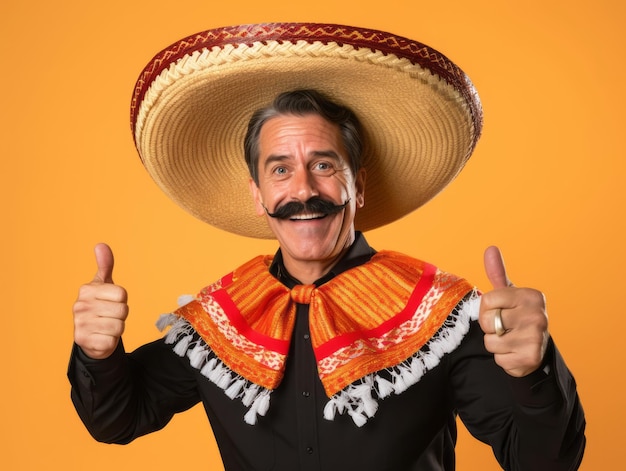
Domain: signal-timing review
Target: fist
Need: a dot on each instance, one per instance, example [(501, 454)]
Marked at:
[(520, 342), (100, 310)]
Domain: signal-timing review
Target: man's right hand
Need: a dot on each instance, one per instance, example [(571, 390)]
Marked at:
[(100, 310)]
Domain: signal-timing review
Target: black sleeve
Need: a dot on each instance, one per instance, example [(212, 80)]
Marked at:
[(128, 395), (533, 423)]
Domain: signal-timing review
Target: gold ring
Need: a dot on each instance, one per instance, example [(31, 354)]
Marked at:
[(497, 321)]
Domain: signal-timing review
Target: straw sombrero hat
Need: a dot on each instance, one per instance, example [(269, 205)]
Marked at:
[(192, 102)]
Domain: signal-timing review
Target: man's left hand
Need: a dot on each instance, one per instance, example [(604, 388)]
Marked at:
[(520, 349)]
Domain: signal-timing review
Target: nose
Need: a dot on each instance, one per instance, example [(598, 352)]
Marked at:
[(303, 185)]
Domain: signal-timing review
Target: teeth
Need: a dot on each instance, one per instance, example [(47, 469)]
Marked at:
[(304, 217)]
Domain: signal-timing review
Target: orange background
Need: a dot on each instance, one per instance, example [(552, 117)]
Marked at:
[(546, 184)]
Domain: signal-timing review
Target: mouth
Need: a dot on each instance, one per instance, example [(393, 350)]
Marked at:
[(307, 216)]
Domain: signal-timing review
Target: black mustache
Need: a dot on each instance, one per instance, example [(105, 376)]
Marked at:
[(313, 205)]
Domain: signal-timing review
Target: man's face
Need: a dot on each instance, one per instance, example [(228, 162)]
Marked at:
[(303, 157)]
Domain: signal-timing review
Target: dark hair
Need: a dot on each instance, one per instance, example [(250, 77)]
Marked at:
[(301, 103)]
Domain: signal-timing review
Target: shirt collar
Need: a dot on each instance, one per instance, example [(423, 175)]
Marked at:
[(358, 253)]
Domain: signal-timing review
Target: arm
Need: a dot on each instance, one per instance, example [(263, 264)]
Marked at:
[(512, 387), (533, 423), (121, 396), (128, 395)]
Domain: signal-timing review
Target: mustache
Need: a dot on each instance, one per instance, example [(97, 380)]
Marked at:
[(313, 205)]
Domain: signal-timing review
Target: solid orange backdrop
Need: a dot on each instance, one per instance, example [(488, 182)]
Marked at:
[(545, 184)]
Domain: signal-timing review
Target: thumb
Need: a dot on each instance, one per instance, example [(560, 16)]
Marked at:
[(495, 269), (104, 261)]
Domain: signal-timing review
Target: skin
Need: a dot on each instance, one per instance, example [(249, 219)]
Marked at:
[(301, 157), (521, 349)]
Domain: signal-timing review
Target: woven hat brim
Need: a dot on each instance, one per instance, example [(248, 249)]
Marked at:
[(190, 117)]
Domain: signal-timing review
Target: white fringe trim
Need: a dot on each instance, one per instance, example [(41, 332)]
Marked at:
[(186, 342), (358, 400)]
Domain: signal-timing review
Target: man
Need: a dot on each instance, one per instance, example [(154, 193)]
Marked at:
[(328, 355)]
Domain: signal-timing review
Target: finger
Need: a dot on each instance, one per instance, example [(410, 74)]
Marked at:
[(495, 269), (102, 307), (99, 346), (89, 326), (103, 292), (105, 262), (519, 354), (488, 323)]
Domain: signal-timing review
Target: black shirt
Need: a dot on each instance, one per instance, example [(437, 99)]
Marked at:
[(533, 423)]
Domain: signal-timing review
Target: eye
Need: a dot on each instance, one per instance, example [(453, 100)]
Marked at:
[(280, 171), (324, 168)]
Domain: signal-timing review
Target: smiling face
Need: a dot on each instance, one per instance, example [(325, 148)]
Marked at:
[(303, 157)]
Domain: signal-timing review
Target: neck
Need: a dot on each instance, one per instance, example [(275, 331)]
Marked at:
[(307, 272)]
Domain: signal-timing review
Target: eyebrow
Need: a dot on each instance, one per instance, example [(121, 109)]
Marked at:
[(318, 153)]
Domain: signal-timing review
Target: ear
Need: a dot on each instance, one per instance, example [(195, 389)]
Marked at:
[(360, 188), (256, 196)]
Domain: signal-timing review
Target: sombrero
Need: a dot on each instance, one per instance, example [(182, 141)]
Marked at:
[(191, 105)]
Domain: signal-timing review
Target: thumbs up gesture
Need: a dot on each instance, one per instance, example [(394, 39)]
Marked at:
[(100, 310), (513, 319)]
